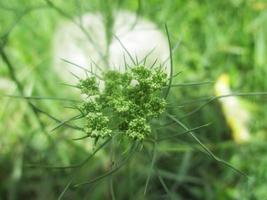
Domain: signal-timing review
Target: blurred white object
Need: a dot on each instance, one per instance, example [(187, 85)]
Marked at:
[(236, 115), (140, 38), (135, 36), (6, 86), (72, 44)]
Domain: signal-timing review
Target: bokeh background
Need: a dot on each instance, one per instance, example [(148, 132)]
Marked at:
[(213, 38)]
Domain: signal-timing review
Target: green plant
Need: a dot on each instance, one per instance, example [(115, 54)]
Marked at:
[(126, 103), (235, 45)]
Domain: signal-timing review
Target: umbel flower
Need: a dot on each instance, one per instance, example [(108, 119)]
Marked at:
[(126, 104)]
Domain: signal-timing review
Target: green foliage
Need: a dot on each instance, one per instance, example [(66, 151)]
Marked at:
[(214, 37), (123, 101)]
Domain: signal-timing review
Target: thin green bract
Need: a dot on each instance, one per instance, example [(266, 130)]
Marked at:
[(123, 102)]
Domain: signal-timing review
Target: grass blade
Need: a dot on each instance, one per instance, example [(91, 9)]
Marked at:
[(206, 149)]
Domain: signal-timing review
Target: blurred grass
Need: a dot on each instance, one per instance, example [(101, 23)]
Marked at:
[(215, 37)]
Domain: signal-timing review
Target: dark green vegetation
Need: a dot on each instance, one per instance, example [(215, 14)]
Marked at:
[(208, 38)]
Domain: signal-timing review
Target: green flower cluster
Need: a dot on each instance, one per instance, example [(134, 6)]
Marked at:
[(126, 103)]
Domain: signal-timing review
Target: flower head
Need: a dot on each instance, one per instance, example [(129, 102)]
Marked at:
[(127, 103)]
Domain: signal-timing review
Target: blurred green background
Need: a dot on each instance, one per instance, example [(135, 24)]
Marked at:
[(215, 37)]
